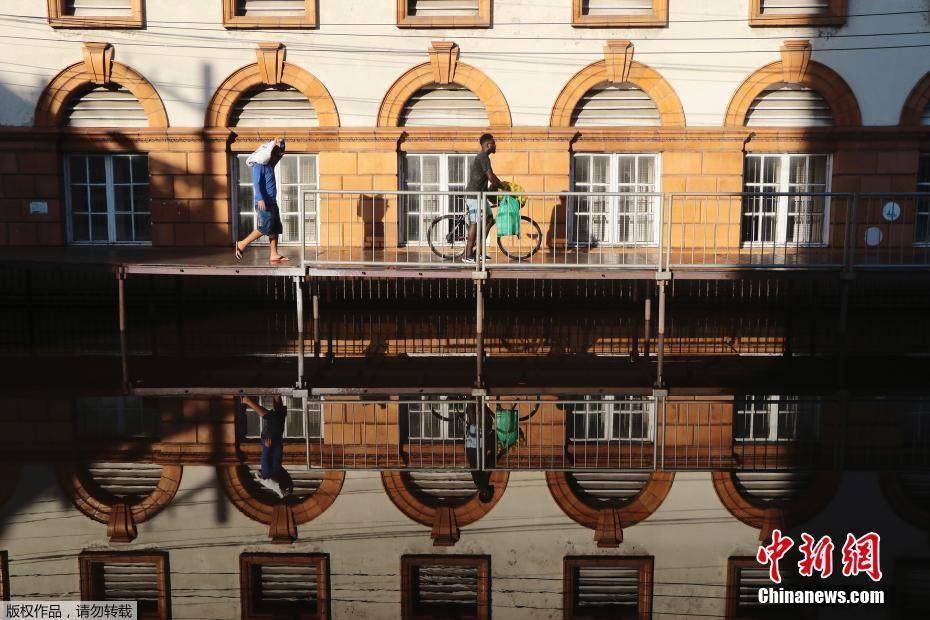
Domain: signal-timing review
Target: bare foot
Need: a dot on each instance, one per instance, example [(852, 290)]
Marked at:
[(238, 251)]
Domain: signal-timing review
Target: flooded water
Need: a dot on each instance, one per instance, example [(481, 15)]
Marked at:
[(568, 460)]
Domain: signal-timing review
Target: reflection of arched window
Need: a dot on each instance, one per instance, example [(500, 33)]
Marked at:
[(439, 105), (769, 500), (120, 494), (608, 105), (108, 105), (789, 105), (444, 501), (609, 502), (274, 106), (314, 492), (908, 494)]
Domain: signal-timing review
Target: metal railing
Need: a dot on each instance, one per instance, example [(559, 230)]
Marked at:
[(618, 432), (616, 231)]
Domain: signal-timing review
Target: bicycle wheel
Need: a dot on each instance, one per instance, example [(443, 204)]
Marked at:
[(523, 245), (446, 236)]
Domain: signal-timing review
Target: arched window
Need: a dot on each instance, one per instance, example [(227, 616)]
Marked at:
[(104, 106), (608, 105), (789, 105), (282, 106), (444, 105)]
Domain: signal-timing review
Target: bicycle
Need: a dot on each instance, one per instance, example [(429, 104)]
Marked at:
[(447, 235)]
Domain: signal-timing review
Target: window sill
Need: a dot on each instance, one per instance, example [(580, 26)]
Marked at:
[(275, 23), (613, 21), (443, 22), (757, 21)]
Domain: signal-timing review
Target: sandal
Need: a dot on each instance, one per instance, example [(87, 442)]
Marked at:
[(237, 250)]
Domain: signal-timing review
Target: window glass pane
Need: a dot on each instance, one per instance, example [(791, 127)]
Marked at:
[(98, 225), (140, 198), (599, 169), (771, 167), (140, 168), (413, 170), (287, 170), (582, 169), (308, 170), (121, 173), (245, 173), (647, 172), (98, 199), (122, 194), (98, 169), (80, 228), (124, 228), (79, 202), (143, 227), (431, 171), (753, 170), (78, 169), (627, 170)]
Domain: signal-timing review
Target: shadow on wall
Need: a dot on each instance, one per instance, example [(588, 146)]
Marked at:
[(17, 106)]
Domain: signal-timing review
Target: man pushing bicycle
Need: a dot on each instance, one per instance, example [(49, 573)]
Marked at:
[(481, 178)]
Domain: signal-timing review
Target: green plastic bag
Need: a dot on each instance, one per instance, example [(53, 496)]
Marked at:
[(507, 423), (508, 217)]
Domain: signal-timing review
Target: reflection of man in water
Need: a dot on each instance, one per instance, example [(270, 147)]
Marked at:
[(272, 474)]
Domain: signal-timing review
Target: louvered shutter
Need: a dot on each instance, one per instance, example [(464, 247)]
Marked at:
[(608, 590), (789, 105), (772, 485), (444, 486), (795, 7), (449, 587), (442, 8), (274, 107), (611, 487), (130, 581), (288, 584), (94, 8), (607, 105), (444, 105), (124, 480), (914, 591), (916, 486), (105, 106), (925, 117), (617, 7), (271, 8), (750, 580)]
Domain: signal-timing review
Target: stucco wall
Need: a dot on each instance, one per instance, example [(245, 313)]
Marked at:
[(707, 50)]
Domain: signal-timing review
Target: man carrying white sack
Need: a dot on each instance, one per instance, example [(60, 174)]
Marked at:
[(262, 163)]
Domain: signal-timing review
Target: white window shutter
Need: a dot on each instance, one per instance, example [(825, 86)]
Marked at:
[(442, 8), (105, 106), (444, 486), (617, 7), (274, 107), (611, 487), (606, 105), (288, 584), (126, 479), (452, 586), (795, 7), (789, 105), (271, 8), (773, 486), (130, 581), (99, 8), (444, 106)]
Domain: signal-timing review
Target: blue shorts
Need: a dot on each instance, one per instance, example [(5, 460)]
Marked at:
[(269, 220), (471, 206)]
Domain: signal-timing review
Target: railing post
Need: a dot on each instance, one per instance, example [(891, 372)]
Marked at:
[(849, 242), (479, 328), (302, 214), (480, 242), (661, 244), (670, 199), (121, 295), (658, 460), (315, 292), (660, 340), (299, 293), (305, 410)]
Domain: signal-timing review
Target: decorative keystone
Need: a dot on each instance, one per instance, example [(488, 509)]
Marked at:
[(619, 58), (98, 62), (443, 57), (795, 58), (271, 57), (121, 525)]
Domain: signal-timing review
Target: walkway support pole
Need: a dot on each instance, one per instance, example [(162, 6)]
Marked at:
[(660, 340), (121, 293), (299, 293)]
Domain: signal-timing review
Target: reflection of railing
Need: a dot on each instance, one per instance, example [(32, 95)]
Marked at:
[(621, 432), (622, 231)]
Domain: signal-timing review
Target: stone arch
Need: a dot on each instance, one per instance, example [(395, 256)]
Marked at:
[(281, 515), (445, 518), (608, 519), (52, 102), (649, 80), (916, 103), (819, 77), (121, 516), (766, 518), (248, 77), (475, 80), (895, 493)]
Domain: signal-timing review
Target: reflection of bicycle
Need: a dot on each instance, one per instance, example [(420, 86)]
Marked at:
[(447, 235)]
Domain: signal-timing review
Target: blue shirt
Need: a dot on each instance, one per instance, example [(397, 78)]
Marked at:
[(273, 455), (264, 183)]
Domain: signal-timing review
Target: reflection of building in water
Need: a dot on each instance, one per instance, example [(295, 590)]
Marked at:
[(622, 504)]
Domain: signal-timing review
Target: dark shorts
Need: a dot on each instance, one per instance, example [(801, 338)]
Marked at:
[(269, 220)]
